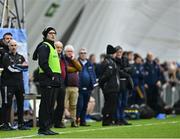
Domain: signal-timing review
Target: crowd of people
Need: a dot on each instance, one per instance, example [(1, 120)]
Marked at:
[(66, 83)]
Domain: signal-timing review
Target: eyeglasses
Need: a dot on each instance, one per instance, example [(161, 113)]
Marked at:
[(8, 38), (83, 53)]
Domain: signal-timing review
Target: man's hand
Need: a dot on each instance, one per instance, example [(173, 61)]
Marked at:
[(158, 84), (73, 56), (25, 64), (146, 86)]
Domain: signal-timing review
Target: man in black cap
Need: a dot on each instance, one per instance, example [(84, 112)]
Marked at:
[(49, 79), (109, 82)]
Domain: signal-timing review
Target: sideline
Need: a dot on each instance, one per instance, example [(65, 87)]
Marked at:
[(95, 129)]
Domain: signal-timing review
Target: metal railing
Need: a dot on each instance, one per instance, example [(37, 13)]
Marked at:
[(171, 93)]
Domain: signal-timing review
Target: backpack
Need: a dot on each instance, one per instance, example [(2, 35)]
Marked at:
[(146, 112), (132, 113)]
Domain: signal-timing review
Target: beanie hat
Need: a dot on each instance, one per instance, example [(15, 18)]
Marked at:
[(110, 49), (46, 30)]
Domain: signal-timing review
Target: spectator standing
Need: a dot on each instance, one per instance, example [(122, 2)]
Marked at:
[(152, 82), (109, 83), (138, 93), (126, 84), (87, 81), (60, 96), (72, 82)]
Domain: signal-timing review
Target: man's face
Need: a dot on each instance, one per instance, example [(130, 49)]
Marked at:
[(7, 38), (83, 55), (138, 60), (59, 47), (150, 57), (69, 53), (119, 53), (130, 56), (93, 59), (51, 35), (12, 46)]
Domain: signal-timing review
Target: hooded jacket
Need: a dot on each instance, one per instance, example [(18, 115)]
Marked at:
[(109, 79)]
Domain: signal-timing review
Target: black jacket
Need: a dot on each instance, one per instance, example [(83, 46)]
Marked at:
[(125, 71), (109, 78), (3, 49), (48, 78), (12, 73)]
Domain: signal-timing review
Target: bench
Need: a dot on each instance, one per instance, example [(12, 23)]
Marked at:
[(28, 97)]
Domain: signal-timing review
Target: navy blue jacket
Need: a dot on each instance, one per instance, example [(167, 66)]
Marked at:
[(87, 76), (138, 74), (152, 73)]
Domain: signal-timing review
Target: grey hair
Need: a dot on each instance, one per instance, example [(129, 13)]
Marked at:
[(68, 47), (56, 43), (83, 49)]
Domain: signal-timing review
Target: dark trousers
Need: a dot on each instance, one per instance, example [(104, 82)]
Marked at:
[(7, 95), (46, 107), (1, 116), (82, 105), (135, 97), (153, 98), (122, 98), (59, 110), (109, 109), (1, 105)]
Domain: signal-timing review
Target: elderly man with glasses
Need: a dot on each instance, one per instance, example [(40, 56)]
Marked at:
[(72, 82), (87, 81)]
